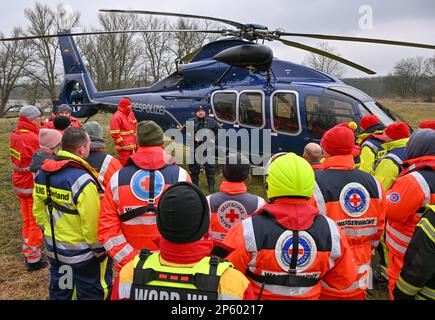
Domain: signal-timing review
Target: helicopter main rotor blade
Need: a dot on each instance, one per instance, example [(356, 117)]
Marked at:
[(182, 15), (357, 39), (190, 55), (106, 32), (326, 54)]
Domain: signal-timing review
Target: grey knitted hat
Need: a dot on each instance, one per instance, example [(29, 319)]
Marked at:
[(30, 112), (63, 107), (94, 129)]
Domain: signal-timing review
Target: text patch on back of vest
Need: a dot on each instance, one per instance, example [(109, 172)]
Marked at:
[(357, 222)]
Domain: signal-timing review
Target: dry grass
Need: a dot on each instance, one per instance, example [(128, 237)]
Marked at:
[(413, 112), (17, 283)]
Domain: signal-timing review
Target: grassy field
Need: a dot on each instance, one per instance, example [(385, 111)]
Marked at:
[(17, 283)]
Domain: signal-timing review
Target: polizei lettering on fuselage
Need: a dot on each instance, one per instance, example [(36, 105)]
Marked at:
[(151, 294), (149, 108)]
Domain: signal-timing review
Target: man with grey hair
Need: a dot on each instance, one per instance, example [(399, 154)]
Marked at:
[(24, 143), (313, 153)]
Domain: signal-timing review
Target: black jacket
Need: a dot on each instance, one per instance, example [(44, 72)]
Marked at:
[(204, 123)]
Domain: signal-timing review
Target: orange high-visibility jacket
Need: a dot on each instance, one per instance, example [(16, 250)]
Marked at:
[(232, 204), (104, 164), (406, 202), (356, 201), (23, 144), (128, 190), (264, 251), (123, 129)]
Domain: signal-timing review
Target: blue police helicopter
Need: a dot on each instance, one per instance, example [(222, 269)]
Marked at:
[(236, 80)]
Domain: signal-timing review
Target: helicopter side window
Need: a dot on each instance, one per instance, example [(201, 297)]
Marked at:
[(251, 109), (285, 114), (323, 113), (224, 105)]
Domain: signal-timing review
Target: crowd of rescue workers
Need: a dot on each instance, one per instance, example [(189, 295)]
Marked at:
[(329, 215)]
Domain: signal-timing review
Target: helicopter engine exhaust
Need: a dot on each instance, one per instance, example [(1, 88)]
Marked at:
[(248, 56)]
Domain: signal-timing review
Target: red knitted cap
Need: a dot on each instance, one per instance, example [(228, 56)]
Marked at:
[(368, 121), (428, 124), (398, 130), (338, 140)]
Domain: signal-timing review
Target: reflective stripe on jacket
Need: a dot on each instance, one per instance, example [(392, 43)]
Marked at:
[(129, 189), (105, 165), (123, 126), (369, 154), (23, 144), (232, 285), (406, 201), (417, 278), (232, 204), (263, 248), (390, 162), (75, 228), (356, 202)]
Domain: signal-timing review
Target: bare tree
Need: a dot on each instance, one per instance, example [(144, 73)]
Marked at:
[(157, 46), (120, 60), (185, 42), (409, 72), (43, 20), (430, 67), (14, 57), (323, 63), (113, 60)]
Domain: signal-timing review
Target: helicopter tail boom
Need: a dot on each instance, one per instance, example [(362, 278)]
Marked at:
[(78, 89)]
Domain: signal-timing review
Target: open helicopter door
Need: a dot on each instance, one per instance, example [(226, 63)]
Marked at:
[(78, 89)]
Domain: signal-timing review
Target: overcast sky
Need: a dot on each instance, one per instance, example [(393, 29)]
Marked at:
[(412, 21)]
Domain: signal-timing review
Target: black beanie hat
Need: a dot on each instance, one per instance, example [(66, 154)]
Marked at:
[(236, 168), (183, 213), (61, 122)]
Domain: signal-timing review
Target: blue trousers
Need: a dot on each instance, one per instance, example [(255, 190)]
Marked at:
[(90, 280)]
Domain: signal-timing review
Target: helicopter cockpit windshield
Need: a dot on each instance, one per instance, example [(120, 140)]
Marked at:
[(376, 109), (366, 105)]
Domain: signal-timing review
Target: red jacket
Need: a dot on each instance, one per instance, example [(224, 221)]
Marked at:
[(356, 201), (23, 144), (74, 123), (406, 202), (129, 189), (123, 129), (263, 250)]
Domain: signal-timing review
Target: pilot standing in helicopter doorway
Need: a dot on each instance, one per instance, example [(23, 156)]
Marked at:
[(201, 121)]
